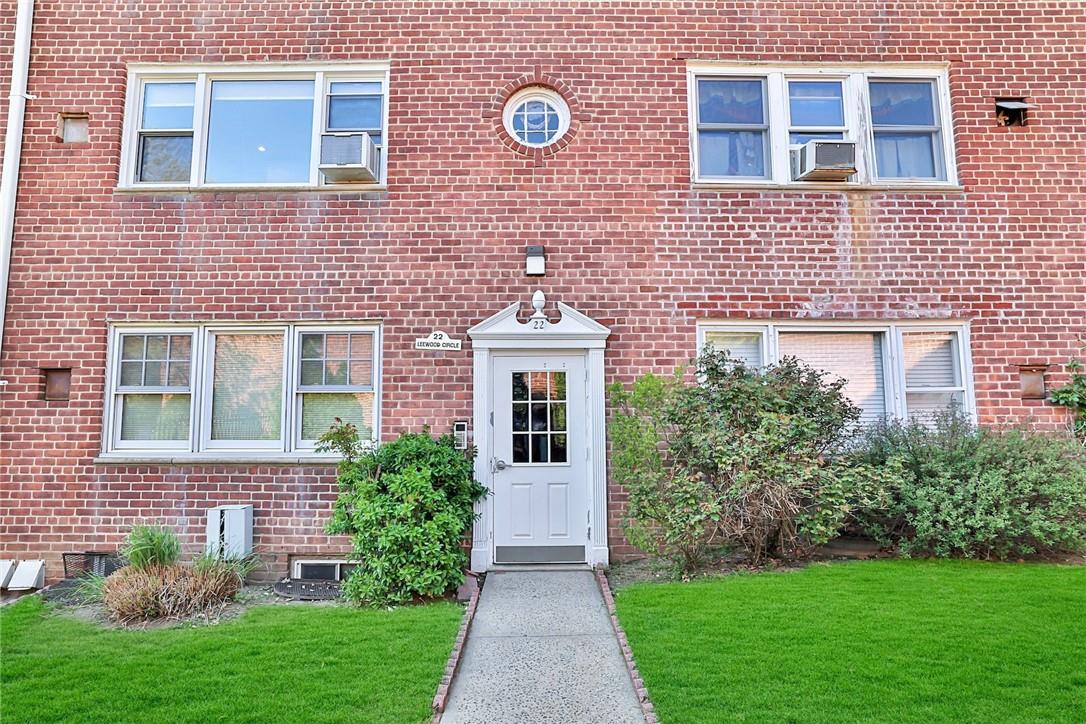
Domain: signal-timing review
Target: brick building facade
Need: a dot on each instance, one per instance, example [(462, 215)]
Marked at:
[(636, 235)]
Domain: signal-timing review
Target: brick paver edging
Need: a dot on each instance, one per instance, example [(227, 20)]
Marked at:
[(635, 676), (453, 663)]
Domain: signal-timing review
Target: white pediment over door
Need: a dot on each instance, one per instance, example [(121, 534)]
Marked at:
[(573, 330)]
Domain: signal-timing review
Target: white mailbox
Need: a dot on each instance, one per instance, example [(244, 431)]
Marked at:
[(230, 531)]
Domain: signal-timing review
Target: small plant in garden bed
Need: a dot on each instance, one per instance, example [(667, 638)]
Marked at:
[(741, 458), (406, 506)]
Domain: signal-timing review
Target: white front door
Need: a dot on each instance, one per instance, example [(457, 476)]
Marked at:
[(540, 475)]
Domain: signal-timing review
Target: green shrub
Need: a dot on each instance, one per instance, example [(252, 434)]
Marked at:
[(406, 505), (743, 458), (973, 492), (151, 545), (1073, 397)]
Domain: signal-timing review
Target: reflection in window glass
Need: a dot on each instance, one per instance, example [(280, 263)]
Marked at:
[(732, 128), (247, 386), (905, 129), (165, 137), (539, 417), (816, 103), (260, 131)]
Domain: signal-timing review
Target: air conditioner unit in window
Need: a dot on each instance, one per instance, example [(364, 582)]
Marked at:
[(824, 161), (230, 531), (349, 158)]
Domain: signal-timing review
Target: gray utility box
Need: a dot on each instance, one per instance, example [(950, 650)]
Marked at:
[(230, 531)]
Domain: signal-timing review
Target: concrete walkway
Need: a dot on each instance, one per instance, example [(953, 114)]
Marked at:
[(541, 649)]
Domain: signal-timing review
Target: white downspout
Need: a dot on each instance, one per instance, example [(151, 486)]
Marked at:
[(13, 147)]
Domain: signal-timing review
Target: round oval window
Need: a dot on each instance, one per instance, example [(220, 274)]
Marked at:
[(536, 116)]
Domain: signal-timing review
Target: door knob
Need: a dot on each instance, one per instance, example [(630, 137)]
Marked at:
[(500, 465)]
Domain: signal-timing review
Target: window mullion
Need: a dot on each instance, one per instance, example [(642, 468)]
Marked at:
[(288, 399), (320, 100), (200, 119), (780, 161), (858, 119)]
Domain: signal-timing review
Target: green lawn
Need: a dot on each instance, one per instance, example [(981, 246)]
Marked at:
[(865, 641), (274, 663)]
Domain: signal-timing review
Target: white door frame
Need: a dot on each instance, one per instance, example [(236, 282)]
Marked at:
[(573, 333)]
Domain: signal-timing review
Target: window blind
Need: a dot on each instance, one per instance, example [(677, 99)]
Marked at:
[(853, 356)]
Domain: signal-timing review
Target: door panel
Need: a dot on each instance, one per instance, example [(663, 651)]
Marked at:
[(539, 468)]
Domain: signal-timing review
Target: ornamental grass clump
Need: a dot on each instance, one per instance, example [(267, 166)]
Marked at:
[(406, 505), (738, 457), (154, 585)]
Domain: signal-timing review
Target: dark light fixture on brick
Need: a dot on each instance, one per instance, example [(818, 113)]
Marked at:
[(58, 383), (1031, 378)]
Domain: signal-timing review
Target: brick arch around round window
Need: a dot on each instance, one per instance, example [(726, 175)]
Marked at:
[(495, 109)]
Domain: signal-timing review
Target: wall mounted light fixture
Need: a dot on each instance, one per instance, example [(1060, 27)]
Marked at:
[(535, 261)]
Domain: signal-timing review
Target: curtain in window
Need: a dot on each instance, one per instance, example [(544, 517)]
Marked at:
[(247, 387), (853, 356)]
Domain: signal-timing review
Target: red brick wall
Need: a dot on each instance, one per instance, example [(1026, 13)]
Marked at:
[(628, 241)]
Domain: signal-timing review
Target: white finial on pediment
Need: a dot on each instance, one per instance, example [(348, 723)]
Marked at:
[(539, 300)]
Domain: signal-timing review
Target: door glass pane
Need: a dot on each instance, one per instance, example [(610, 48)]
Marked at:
[(154, 417), (538, 385), (520, 385), (520, 417), (540, 449), (559, 451), (260, 131), (247, 387), (816, 103), (320, 410), (543, 419), (520, 449)]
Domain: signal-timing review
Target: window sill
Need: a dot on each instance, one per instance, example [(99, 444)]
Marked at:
[(290, 188), (166, 458), (827, 186)]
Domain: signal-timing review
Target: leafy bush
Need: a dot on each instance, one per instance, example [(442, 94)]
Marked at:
[(741, 458), (151, 545), (1073, 397), (968, 491), (406, 505), (153, 592)]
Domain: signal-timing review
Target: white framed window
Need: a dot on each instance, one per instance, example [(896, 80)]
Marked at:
[(227, 390), (747, 121), (228, 126), (901, 370), (536, 116)]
